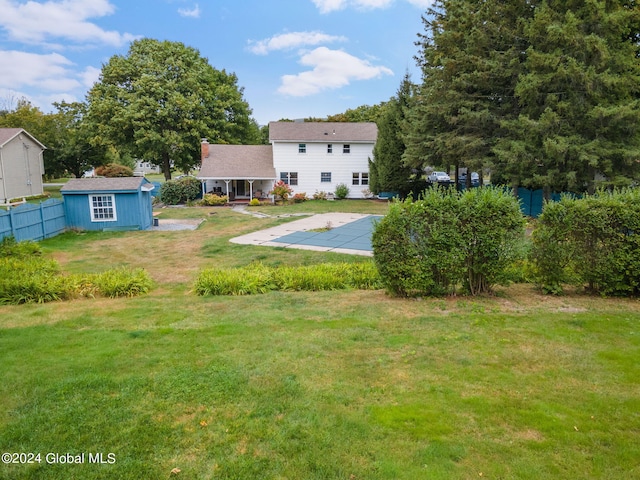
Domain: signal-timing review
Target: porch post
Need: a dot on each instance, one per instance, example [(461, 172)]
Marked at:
[(227, 182), (251, 189)]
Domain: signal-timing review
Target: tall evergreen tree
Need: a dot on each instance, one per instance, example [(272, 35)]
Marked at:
[(579, 122), (470, 57), (387, 172), (545, 92)]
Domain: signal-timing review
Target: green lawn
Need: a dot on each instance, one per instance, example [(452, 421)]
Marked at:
[(327, 385)]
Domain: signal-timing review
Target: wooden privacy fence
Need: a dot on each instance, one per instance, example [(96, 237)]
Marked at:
[(33, 222)]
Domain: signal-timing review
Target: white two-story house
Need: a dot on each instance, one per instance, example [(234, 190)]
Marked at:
[(309, 156), (317, 156)]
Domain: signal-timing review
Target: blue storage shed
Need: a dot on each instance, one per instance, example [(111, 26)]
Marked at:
[(122, 203)]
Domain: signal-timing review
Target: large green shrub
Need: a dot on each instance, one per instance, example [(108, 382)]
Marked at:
[(448, 239), (592, 242), (183, 190)]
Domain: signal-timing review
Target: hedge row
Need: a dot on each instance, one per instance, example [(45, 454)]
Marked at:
[(592, 242), (258, 278)]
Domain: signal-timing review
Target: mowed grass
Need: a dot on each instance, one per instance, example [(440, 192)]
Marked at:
[(312, 385)]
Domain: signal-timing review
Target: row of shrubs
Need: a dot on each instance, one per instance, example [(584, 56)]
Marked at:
[(447, 241), (27, 277), (259, 278)]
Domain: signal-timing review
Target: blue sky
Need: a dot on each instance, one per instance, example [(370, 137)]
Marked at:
[(294, 58)]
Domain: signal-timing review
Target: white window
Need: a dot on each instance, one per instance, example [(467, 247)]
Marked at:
[(325, 177), (103, 208), (302, 148), (360, 178), (346, 148), (290, 178), (329, 148)]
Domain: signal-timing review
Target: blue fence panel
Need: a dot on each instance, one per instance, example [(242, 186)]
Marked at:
[(525, 200), (33, 222), (156, 189)]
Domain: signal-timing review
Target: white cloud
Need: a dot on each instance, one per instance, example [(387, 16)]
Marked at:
[(285, 41), (36, 22), (327, 6), (331, 69), (47, 72), (424, 4), (193, 12), (90, 76)]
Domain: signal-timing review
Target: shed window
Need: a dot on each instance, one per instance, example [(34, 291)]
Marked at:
[(103, 208)]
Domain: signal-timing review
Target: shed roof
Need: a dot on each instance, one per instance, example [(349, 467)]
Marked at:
[(8, 134), (117, 184), (323, 132), (238, 162)]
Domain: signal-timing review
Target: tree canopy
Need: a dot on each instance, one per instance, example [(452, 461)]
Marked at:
[(545, 93), (159, 100)]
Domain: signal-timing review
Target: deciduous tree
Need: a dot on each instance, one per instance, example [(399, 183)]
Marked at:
[(160, 99)]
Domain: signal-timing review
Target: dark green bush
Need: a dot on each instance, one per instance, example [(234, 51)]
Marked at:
[(592, 242), (448, 239), (183, 190)]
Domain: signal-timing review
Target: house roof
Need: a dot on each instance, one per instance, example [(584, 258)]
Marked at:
[(231, 162), (323, 132), (117, 184), (8, 134)]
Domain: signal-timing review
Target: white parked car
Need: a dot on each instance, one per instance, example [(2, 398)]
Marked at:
[(439, 177)]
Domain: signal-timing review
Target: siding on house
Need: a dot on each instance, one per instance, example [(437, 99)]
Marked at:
[(120, 203), (21, 164), (303, 148)]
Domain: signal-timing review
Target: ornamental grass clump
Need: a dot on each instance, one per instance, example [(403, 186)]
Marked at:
[(27, 277), (258, 278), (250, 280), (120, 282)]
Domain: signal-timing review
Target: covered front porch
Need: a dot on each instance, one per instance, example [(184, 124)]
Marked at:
[(241, 172), (239, 189)]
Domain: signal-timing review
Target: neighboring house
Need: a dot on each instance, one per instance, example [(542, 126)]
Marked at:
[(21, 164), (121, 203), (309, 156), (142, 167)]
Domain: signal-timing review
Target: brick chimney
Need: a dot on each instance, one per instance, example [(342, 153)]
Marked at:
[(204, 150)]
